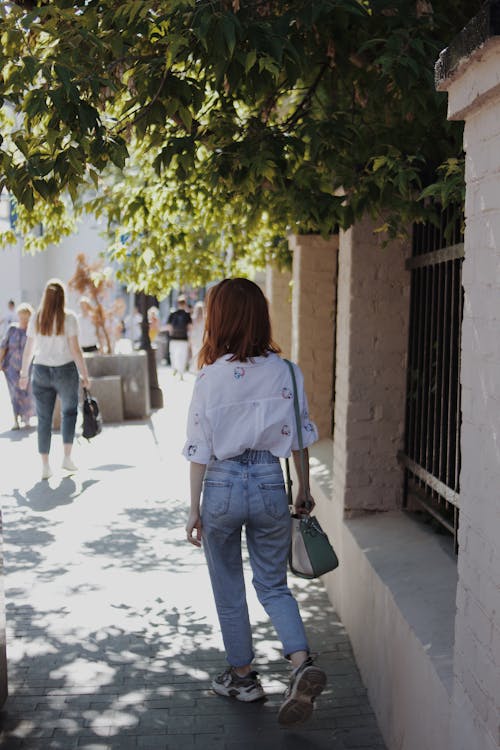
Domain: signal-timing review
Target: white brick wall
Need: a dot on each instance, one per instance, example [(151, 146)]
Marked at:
[(474, 93), (372, 331)]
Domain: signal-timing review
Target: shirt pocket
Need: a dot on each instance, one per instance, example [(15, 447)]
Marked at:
[(274, 498), (216, 497)]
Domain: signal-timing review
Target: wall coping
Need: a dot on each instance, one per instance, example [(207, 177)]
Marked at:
[(416, 566), (475, 35)]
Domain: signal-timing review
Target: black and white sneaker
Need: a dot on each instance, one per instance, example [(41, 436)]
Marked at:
[(246, 689), (306, 683)]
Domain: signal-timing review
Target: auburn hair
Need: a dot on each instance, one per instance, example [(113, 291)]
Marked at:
[(50, 315), (237, 323)]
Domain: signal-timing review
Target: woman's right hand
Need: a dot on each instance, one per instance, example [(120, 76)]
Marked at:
[(194, 529), (86, 382), (23, 382), (304, 503)]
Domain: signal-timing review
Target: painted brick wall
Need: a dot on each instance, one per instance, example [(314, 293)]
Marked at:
[(372, 333), (475, 96), (313, 321), (279, 295)]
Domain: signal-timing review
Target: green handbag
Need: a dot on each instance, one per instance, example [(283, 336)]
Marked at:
[(311, 554)]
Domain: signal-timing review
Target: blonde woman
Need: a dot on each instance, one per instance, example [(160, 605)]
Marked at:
[(52, 342)]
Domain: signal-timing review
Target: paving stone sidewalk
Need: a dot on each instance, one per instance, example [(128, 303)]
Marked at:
[(112, 632)]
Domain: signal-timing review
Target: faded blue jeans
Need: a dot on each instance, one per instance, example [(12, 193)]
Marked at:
[(47, 383), (248, 490)]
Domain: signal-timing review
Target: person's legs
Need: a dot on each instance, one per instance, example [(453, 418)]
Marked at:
[(223, 513), (66, 382), (222, 518), (268, 533), (268, 538), (178, 355), (45, 397)]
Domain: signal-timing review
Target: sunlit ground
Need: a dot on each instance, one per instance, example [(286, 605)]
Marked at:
[(111, 626)]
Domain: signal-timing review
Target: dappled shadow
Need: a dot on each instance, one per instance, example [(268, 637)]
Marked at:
[(111, 467), (28, 542), (118, 684)]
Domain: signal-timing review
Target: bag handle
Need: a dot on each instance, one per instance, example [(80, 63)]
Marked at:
[(298, 424)]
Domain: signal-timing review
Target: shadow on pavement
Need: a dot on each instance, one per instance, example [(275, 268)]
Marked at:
[(43, 496), (117, 686)]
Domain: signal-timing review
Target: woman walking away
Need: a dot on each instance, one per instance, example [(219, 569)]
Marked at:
[(241, 420), (196, 334), (11, 354), (53, 342)]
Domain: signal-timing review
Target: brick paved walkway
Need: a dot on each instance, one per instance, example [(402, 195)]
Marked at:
[(112, 634)]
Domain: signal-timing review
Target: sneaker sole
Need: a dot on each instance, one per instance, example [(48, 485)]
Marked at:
[(238, 694), (298, 707)]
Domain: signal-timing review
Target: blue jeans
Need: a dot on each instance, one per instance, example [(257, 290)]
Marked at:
[(47, 383), (248, 490)]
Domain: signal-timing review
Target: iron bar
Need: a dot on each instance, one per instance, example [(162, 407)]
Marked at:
[(431, 458), (435, 256), (418, 495), (430, 480)]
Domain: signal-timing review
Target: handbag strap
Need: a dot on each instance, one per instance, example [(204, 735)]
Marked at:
[(299, 437)]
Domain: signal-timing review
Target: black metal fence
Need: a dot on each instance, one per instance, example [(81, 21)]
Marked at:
[(432, 443)]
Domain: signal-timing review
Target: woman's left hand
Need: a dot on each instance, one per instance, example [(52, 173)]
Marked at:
[(194, 529), (304, 503), (23, 382)]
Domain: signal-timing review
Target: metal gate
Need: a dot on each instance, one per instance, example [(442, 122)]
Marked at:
[(432, 442)]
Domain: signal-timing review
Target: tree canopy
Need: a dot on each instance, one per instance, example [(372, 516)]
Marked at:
[(203, 129)]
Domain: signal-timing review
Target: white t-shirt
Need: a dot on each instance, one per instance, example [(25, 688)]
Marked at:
[(87, 334), (53, 350), (240, 405)]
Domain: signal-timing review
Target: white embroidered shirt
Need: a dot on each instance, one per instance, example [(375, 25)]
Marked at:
[(246, 405)]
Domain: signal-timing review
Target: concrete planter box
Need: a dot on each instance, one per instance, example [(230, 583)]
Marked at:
[(131, 376)]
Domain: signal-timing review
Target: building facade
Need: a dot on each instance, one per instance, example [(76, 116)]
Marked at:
[(421, 608)]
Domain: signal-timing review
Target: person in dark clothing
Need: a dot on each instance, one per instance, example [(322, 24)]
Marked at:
[(178, 328)]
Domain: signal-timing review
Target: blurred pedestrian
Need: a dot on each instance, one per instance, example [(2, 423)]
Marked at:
[(133, 327), (53, 344), (154, 323), (179, 327), (241, 421), (9, 318), (86, 324), (196, 334), (11, 355)]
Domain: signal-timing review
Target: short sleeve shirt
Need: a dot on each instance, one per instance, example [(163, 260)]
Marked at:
[(246, 405), (53, 350), (179, 320)]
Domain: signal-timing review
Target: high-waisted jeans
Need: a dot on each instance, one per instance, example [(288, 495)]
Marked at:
[(47, 383), (248, 490)]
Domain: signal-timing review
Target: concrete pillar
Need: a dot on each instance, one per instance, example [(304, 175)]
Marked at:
[(279, 294), (3, 654), (472, 80), (313, 321), (370, 388)]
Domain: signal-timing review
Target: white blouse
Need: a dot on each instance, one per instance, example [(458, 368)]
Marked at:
[(240, 405), (53, 350)]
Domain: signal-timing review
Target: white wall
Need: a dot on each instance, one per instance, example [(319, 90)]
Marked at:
[(23, 277), (474, 96)]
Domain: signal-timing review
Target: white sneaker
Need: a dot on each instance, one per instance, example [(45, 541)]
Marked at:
[(68, 464), (46, 471)]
